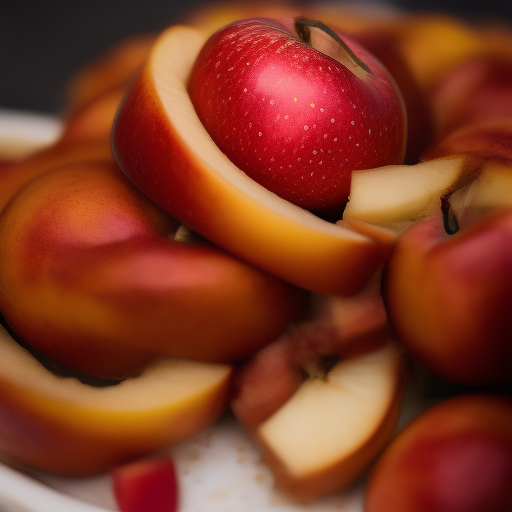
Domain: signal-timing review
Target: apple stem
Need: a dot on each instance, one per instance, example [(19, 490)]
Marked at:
[(450, 221), (303, 28)]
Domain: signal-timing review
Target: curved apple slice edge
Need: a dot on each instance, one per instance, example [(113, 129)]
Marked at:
[(332, 428), (257, 225), (165, 385)]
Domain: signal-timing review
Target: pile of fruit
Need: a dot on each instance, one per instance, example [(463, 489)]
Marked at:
[(287, 215)]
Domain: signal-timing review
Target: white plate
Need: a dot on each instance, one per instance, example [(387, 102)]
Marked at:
[(22, 133), (219, 470)]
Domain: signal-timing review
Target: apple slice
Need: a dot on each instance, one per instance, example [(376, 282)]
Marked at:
[(162, 146), (399, 194), (146, 485), (61, 425), (91, 276), (335, 424), (14, 177)]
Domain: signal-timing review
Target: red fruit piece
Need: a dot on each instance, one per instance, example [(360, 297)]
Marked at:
[(147, 485)]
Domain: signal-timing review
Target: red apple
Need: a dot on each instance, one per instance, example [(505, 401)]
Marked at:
[(297, 107), (164, 149), (448, 296), (455, 457), (147, 485)]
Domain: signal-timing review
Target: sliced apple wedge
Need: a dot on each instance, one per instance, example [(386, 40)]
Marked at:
[(399, 194), (338, 420), (162, 146), (61, 425)]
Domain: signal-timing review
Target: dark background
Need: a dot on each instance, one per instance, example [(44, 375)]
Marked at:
[(42, 43)]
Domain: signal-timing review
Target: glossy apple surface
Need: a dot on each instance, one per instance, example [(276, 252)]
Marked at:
[(447, 296), (162, 146), (297, 107), (92, 277), (455, 457), (61, 425)]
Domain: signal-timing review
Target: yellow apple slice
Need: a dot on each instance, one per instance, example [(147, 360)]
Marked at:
[(328, 432), (63, 426), (162, 146), (399, 194)]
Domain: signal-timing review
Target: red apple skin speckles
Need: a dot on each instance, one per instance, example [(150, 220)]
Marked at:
[(292, 118)]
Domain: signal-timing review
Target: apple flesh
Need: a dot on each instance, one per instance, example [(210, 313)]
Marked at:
[(297, 108), (63, 426), (91, 276), (147, 485), (396, 196), (164, 149), (455, 457), (326, 418), (447, 296)]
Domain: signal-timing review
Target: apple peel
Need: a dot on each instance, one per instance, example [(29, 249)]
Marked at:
[(63, 426), (163, 148)]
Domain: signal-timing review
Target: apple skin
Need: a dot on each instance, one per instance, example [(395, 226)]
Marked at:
[(147, 485), (448, 297), (91, 277), (294, 119), (455, 457), (477, 91), (384, 43), (63, 426), (160, 144), (94, 120), (483, 139), (17, 175)]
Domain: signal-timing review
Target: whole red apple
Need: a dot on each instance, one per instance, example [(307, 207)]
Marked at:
[(297, 108), (448, 297), (455, 457)]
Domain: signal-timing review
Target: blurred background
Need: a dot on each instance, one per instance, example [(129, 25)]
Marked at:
[(43, 44)]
